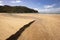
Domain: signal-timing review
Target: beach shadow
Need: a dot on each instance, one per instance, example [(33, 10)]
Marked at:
[(19, 32)]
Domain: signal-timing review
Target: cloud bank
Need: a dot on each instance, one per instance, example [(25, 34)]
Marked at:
[(52, 10), (49, 6), (49, 9)]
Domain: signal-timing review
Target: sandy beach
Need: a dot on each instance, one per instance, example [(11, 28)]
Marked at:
[(45, 26)]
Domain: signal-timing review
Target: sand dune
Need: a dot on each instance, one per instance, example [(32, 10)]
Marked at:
[(45, 27)]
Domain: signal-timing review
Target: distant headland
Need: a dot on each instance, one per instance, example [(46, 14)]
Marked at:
[(16, 9)]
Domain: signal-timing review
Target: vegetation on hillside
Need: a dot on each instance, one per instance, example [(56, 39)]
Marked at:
[(16, 9)]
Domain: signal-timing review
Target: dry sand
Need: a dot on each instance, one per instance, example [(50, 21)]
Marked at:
[(45, 27), (10, 25)]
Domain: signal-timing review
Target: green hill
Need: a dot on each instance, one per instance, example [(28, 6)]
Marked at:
[(16, 9)]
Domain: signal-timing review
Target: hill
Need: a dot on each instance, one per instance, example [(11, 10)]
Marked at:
[(16, 9)]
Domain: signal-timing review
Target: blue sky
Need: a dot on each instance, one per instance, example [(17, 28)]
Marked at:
[(48, 6)]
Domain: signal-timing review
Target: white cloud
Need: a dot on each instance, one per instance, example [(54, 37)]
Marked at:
[(51, 10), (49, 6), (1, 3), (17, 1), (35, 8)]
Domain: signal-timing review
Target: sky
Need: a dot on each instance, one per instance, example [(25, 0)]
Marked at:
[(47, 6)]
